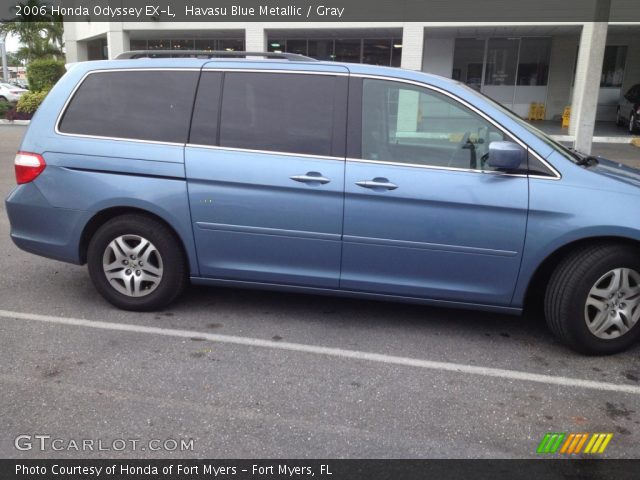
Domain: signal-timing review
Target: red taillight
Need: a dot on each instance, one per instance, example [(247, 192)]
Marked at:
[(28, 166), (15, 92)]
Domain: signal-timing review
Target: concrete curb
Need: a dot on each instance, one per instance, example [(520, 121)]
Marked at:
[(14, 122), (620, 139)]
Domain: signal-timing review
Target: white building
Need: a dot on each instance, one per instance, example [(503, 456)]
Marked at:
[(585, 65)]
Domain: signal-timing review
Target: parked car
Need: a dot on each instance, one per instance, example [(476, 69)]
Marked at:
[(323, 177), (629, 110), (10, 93)]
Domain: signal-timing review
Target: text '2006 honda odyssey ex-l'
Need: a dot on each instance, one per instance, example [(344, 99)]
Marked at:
[(282, 172)]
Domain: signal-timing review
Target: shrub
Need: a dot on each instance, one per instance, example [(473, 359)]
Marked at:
[(4, 107), (12, 114), (42, 74), (30, 101)]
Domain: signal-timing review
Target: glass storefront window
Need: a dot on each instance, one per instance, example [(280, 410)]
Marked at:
[(321, 49), (377, 52), (184, 44), (502, 58), (533, 65), (348, 50), (468, 59), (613, 66)]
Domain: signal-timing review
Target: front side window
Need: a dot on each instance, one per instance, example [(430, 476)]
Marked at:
[(411, 125), (148, 105)]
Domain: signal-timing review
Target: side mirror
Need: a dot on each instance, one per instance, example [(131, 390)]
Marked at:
[(506, 155)]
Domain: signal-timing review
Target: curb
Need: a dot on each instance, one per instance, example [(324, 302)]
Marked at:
[(15, 122)]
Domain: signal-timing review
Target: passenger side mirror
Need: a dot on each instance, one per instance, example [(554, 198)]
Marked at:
[(506, 155)]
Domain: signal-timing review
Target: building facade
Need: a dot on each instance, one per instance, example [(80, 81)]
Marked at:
[(583, 65)]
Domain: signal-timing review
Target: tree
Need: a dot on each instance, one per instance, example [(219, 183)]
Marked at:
[(40, 35)]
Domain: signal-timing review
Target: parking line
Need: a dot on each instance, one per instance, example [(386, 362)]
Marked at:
[(333, 352)]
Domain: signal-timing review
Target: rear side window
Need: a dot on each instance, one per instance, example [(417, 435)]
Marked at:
[(294, 113), (142, 105)]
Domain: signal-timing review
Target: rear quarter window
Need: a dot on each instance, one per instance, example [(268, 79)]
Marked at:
[(152, 105)]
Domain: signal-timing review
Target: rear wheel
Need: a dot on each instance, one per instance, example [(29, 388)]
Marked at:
[(592, 302), (136, 263)]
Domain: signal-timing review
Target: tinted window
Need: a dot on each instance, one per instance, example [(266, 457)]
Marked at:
[(142, 105), (406, 124), (279, 112), (204, 126)]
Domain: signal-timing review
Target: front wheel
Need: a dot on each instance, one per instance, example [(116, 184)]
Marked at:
[(632, 124), (136, 263), (592, 302)]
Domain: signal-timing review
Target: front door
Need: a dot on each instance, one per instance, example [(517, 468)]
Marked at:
[(425, 216), (265, 169)]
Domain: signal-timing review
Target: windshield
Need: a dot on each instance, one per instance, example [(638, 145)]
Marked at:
[(571, 155)]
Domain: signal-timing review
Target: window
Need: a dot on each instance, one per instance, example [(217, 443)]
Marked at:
[(502, 58), (613, 66), (533, 63), (143, 105), (279, 112), (406, 124), (204, 125)]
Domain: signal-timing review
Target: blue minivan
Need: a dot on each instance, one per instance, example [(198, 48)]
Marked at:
[(320, 177)]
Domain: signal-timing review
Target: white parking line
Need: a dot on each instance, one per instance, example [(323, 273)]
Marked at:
[(333, 352)]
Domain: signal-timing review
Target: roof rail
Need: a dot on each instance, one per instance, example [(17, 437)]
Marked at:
[(293, 57)]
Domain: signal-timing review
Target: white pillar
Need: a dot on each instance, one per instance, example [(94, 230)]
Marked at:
[(412, 46), (255, 38), (117, 42), (587, 84), (75, 51)]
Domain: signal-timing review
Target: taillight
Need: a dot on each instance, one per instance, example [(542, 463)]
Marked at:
[(28, 166)]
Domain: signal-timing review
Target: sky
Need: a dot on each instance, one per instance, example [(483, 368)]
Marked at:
[(12, 44)]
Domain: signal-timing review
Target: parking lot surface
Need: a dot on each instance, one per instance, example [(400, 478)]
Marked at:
[(261, 374)]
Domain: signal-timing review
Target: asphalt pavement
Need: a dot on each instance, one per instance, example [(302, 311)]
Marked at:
[(254, 374)]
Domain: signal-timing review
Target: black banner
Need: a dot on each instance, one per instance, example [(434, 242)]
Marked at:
[(472, 11), (320, 469)]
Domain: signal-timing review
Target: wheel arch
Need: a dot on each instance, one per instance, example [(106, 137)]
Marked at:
[(107, 214), (534, 292)]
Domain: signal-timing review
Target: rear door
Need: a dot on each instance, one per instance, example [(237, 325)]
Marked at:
[(265, 169)]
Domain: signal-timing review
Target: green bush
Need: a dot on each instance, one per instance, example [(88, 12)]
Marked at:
[(30, 101), (43, 74), (4, 106)]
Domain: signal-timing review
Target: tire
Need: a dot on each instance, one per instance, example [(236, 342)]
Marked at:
[(3, 99), (619, 122), (632, 124), (135, 284), (584, 276)]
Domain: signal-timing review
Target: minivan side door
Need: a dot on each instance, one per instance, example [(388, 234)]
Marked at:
[(425, 215), (265, 170)]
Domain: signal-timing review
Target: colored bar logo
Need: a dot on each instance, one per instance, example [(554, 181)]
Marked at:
[(573, 443)]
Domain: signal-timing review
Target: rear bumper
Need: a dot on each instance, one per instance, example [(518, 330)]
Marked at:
[(38, 227)]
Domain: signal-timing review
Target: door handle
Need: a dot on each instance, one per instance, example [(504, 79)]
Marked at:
[(311, 178), (377, 184)]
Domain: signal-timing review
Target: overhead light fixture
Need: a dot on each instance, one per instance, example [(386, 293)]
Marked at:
[(397, 45), (275, 45)]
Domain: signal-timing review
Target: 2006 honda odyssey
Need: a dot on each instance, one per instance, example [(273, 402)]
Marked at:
[(318, 177)]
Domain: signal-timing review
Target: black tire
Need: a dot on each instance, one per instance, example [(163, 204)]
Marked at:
[(632, 124), (3, 99), (174, 266), (567, 293), (619, 121)]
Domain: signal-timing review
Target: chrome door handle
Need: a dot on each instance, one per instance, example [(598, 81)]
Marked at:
[(310, 177), (377, 184)]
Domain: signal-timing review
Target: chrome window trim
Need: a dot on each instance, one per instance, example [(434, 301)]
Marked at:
[(267, 152), (500, 127), (203, 68)]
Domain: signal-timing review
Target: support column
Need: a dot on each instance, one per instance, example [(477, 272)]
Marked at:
[(75, 51), (117, 42), (412, 46), (587, 84), (255, 38)]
